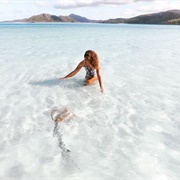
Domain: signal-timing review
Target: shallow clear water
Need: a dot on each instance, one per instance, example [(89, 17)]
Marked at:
[(131, 131)]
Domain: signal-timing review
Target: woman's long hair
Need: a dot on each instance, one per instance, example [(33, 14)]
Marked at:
[(94, 61)]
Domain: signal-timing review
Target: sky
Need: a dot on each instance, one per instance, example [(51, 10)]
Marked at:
[(91, 9)]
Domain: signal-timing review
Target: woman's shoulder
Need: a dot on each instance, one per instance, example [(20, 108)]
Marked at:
[(97, 67), (82, 63)]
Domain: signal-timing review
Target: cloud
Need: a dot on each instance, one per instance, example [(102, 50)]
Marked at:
[(43, 4), (66, 4), (4, 1), (159, 6)]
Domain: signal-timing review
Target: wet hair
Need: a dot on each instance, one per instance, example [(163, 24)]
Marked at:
[(94, 61)]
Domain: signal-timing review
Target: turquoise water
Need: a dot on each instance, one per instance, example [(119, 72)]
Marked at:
[(129, 131)]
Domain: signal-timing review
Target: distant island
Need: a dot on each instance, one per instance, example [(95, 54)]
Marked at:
[(167, 17)]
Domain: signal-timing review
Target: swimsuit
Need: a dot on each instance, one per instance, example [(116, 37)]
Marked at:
[(90, 73)]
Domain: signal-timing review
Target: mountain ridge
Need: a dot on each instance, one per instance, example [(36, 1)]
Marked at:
[(164, 17)]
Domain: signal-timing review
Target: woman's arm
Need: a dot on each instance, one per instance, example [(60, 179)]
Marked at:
[(99, 79), (80, 65)]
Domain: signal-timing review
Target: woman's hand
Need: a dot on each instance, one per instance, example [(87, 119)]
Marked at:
[(102, 90)]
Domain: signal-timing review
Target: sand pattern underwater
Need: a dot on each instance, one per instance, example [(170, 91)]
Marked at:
[(131, 131)]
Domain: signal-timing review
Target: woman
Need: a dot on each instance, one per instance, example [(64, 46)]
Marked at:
[(91, 64)]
